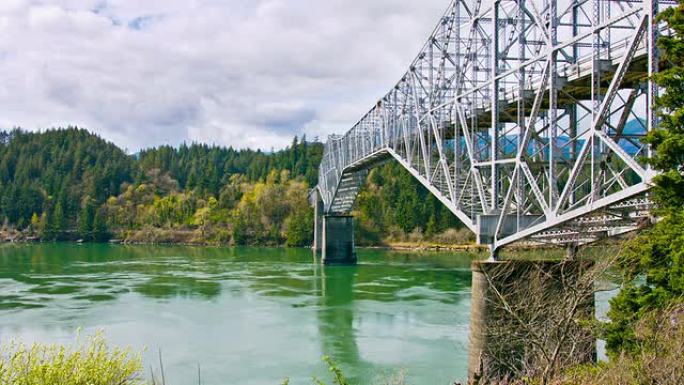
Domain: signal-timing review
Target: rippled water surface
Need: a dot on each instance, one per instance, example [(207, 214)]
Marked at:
[(246, 315)]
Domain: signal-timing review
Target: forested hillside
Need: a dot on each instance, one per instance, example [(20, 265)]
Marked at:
[(69, 184), (53, 174), (394, 207)]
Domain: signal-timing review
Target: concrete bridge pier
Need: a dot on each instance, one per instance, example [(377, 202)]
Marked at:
[(337, 240), (333, 235), (318, 224), (514, 302)]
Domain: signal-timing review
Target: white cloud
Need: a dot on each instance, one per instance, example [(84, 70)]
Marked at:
[(246, 73)]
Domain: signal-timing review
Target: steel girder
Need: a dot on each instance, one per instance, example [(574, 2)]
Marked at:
[(531, 112)]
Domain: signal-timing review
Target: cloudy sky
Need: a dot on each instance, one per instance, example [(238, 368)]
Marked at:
[(246, 73)]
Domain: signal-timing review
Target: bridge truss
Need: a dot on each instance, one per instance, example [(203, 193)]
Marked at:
[(524, 117)]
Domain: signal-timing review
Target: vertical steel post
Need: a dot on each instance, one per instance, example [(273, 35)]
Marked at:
[(456, 123), (522, 101), (651, 9), (494, 101), (595, 86), (553, 102)]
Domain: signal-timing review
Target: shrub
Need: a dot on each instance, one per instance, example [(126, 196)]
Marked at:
[(462, 236), (89, 363), (416, 235), (657, 360)]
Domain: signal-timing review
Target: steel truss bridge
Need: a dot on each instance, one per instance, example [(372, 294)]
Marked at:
[(524, 117)]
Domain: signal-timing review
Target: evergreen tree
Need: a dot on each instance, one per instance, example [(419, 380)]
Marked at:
[(294, 154), (85, 220), (657, 255), (42, 226), (100, 230), (58, 224), (299, 227)]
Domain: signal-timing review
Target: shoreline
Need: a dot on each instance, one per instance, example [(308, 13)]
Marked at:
[(394, 246), (409, 246), (17, 237)]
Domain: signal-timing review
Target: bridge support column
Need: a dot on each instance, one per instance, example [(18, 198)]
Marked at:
[(521, 310), (337, 243), (318, 224)]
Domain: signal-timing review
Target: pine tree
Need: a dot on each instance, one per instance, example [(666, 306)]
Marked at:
[(100, 230), (58, 225), (431, 226), (294, 157), (657, 254), (85, 220)]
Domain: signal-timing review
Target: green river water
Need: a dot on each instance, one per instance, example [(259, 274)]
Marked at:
[(246, 315)]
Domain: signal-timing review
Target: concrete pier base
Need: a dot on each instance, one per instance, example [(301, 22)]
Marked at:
[(337, 241), (521, 308), (318, 224)]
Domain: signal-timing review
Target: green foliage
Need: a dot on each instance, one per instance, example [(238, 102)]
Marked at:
[(393, 204), (334, 369), (36, 225), (53, 171), (68, 184), (57, 222), (92, 363), (85, 219), (100, 230), (338, 376), (668, 141), (209, 168), (273, 212), (298, 229), (653, 264)]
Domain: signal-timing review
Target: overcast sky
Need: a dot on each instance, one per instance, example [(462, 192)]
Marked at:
[(246, 73)]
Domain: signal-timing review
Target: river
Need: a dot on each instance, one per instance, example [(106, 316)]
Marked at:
[(246, 315)]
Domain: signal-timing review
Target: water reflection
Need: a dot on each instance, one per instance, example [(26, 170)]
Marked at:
[(352, 297), (240, 307), (336, 317)]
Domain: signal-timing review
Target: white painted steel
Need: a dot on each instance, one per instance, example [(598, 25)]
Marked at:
[(521, 109)]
